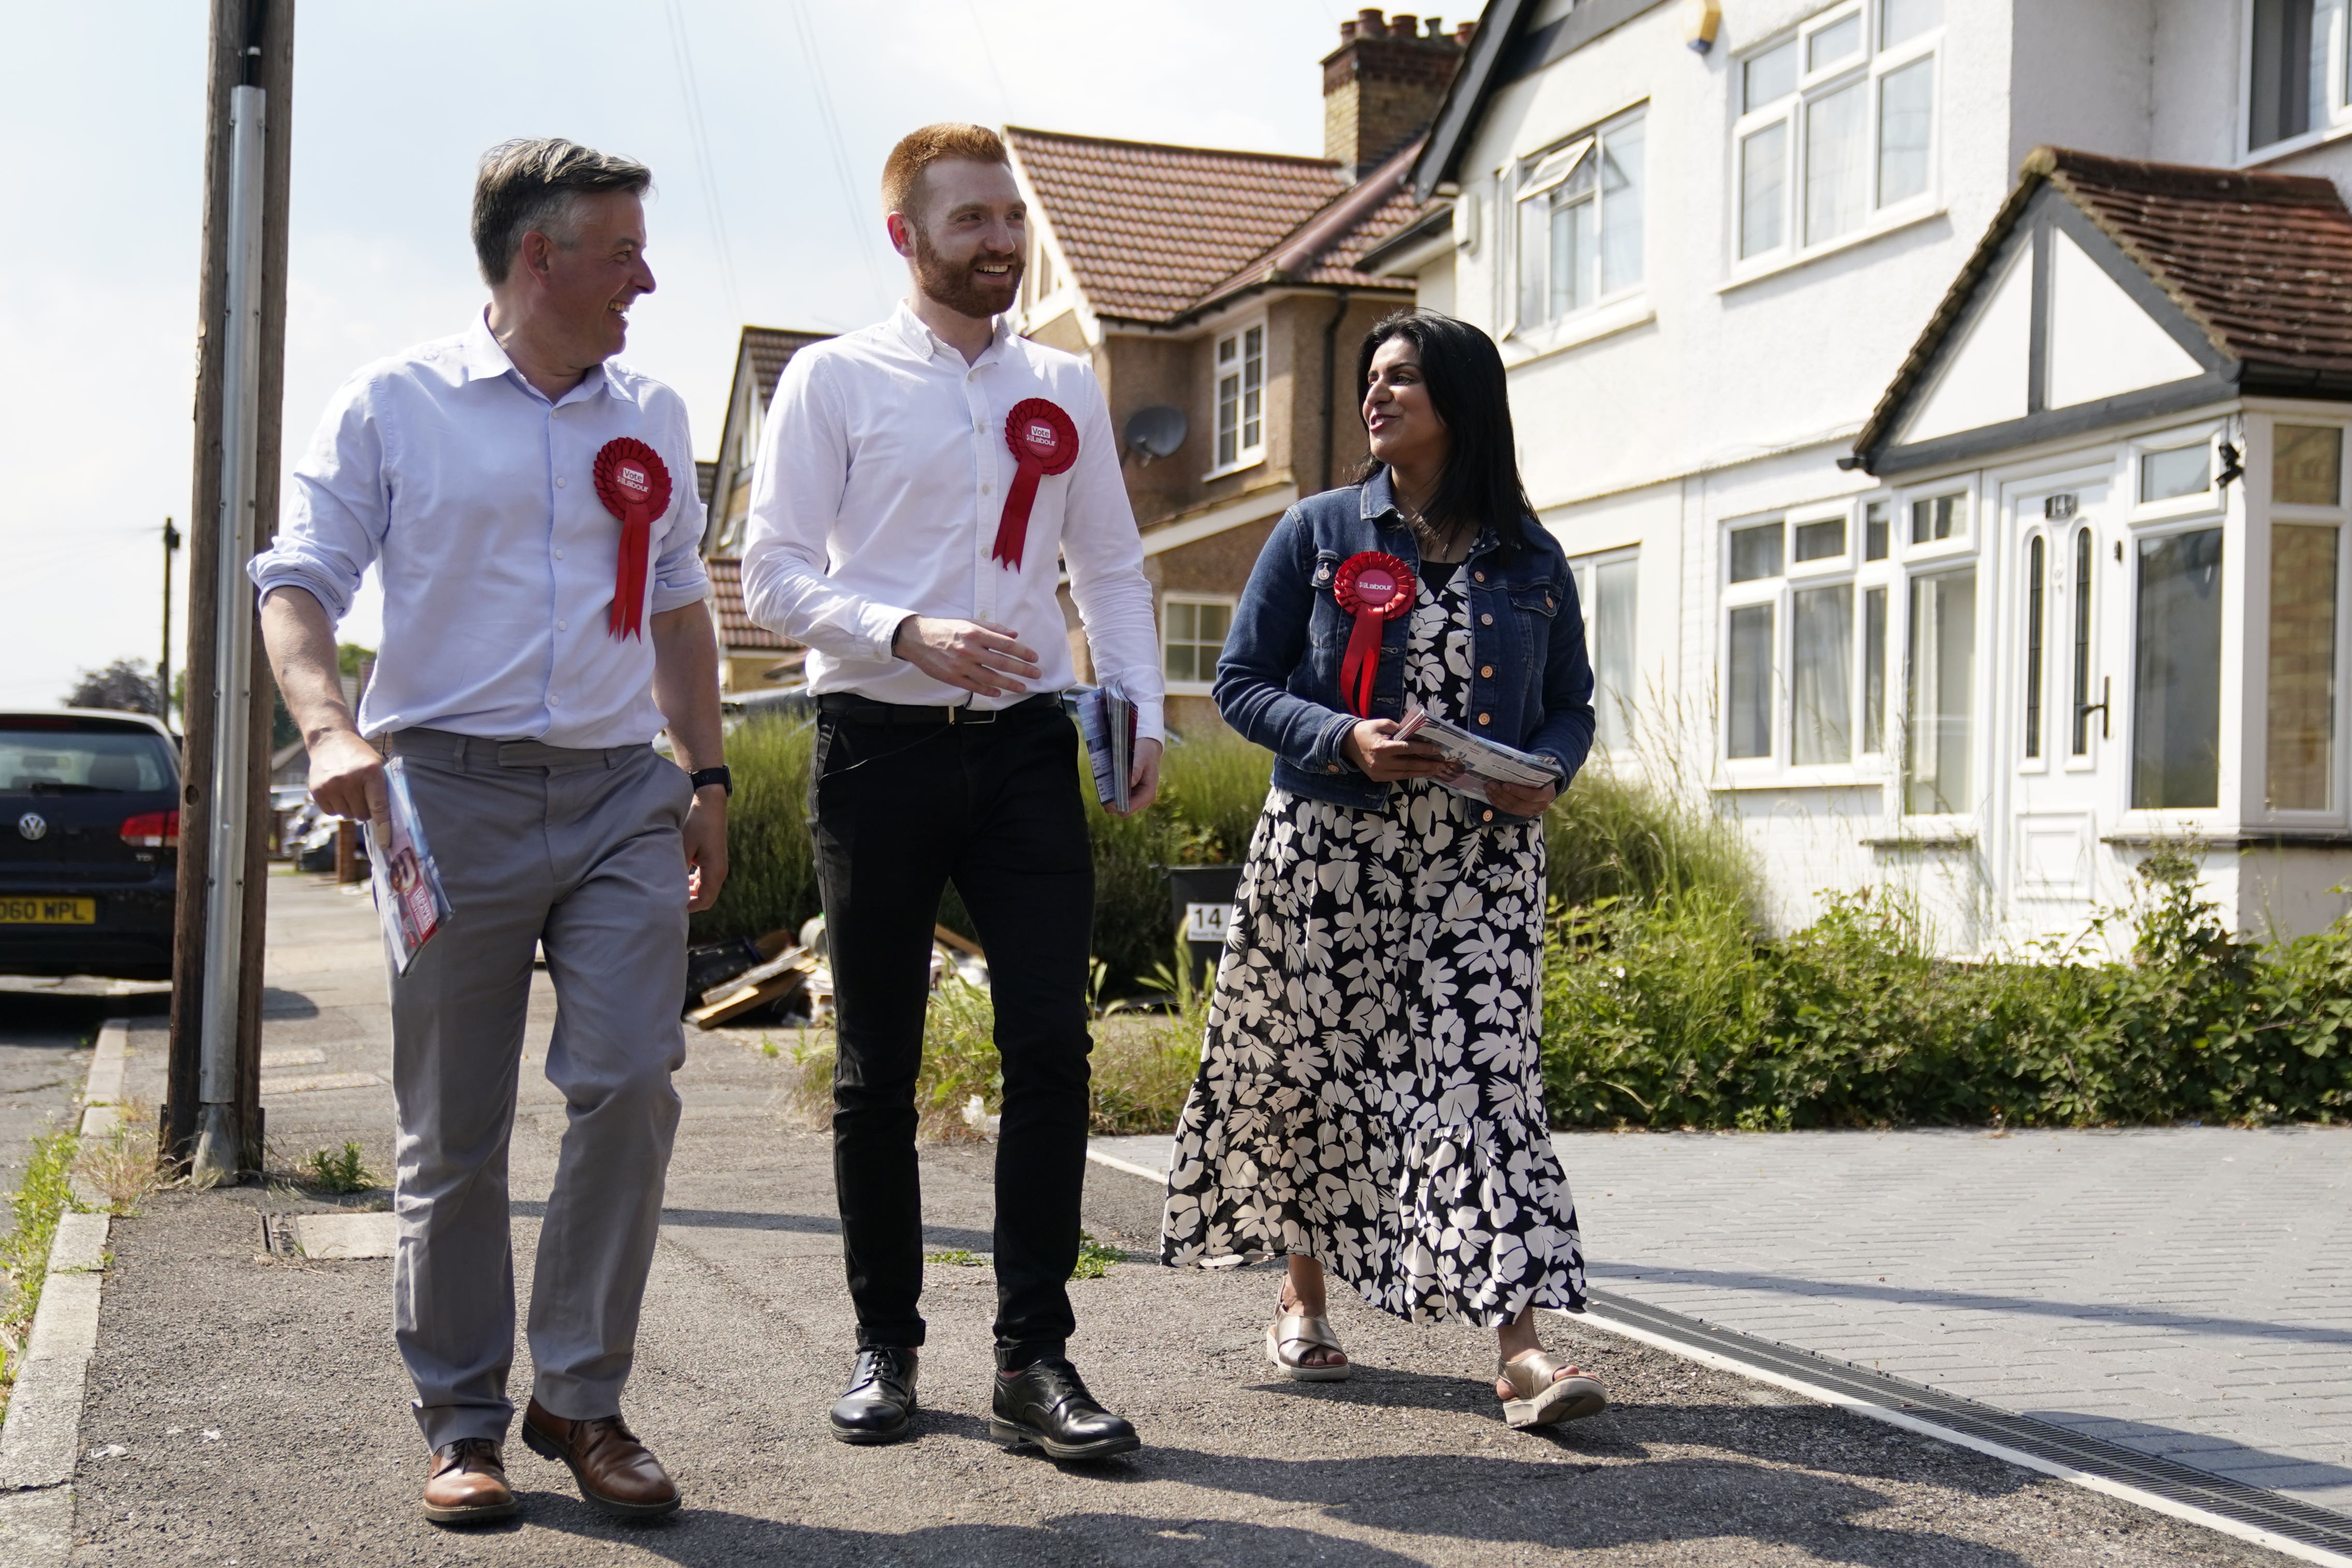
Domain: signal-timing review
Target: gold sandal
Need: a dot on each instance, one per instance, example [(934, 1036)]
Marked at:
[(1298, 1330), (1545, 1396)]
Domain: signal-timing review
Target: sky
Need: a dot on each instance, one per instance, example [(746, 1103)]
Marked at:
[(765, 123)]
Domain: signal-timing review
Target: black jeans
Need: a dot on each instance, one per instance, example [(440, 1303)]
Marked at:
[(898, 810)]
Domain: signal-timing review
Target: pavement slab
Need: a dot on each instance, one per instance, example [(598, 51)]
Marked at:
[(249, 1408)]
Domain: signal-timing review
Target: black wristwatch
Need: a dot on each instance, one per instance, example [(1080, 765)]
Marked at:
[(703, 777)]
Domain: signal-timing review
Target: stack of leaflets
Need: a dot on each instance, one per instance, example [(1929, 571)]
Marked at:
[(1107, 720), (408, 896), (1483, 761)]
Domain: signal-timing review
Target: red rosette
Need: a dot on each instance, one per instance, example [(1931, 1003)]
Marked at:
[(1375, 588), (1043, 441), (634, 484)]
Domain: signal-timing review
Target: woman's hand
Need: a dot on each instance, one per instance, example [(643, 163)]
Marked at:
[(1522, 802), (1384, 760)]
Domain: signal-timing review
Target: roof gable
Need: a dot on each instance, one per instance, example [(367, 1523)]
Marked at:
[(1507, 47), (2108, 290)]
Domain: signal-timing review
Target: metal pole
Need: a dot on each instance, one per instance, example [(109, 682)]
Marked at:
[(219, 1138), (164, 663)]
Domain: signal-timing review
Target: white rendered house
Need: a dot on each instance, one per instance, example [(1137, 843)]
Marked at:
[(1958, 516)]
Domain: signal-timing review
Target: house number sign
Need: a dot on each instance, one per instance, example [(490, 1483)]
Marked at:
[(2059, 508)]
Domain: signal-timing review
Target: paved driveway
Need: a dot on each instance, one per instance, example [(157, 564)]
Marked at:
[(2182, 1291)]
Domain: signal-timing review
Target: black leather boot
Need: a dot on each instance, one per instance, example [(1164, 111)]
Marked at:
[(876, 1407), (1046, 1404)]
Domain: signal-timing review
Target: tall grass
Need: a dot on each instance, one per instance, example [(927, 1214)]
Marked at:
[(771, 863)]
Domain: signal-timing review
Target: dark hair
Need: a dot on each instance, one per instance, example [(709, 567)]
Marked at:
[(1471, 397), (532, 184)]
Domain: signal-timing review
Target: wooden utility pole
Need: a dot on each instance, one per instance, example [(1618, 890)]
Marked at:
[(164, 663), (252, 46)]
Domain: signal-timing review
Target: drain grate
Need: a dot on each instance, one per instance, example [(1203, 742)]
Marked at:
[(2281, 1515)]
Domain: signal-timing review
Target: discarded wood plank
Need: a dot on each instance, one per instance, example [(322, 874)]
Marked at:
[(962, 944), (799, 958)]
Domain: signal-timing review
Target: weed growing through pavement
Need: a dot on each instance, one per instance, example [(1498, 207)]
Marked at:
[(45, 1193), (1094, 1259), (338, 1173), (124, 1166), (956, 1257)]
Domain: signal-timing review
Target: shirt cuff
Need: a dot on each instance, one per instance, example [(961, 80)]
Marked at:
[(1151, 719), (880, 623), (269, 572)]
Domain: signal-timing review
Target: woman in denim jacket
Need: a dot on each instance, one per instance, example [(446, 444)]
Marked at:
[(1370, 1096)]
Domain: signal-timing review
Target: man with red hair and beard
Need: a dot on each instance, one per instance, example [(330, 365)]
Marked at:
[(921, 484)]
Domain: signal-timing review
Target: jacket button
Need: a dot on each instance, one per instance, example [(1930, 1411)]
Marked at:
[(1485, 620), (1485, 816), (1485, 671), (1479, 575), (1547, 603), (1483, 718)]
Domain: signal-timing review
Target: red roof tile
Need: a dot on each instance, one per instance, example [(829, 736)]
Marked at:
[(1149, 229), (1324, 247), (767, 349), (737, 630)]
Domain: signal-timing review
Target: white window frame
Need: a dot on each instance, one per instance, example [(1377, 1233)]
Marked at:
[(2262, 445), (1891, 573), (1585, 571), (2333, 22), (1533, 178), (1196, 688), (1245, 455), (1872, 65)]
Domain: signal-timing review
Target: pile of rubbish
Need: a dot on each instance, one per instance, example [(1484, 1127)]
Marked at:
[(784, 977)]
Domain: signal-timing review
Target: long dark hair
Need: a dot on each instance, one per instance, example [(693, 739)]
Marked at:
[(1468, 390)]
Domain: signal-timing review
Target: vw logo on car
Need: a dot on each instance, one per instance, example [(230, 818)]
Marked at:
[(32, 825)]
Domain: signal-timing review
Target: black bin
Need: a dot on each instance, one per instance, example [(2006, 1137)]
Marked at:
[(1201, 899)]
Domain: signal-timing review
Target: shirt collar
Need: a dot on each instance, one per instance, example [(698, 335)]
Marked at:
[(926, 343), (486, 359)]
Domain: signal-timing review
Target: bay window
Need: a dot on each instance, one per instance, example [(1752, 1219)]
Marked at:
[(1579, 223), (1940, 694), (1805, 643), (1604, 592), (1836, 126), (2307, 495), (2177, 673)]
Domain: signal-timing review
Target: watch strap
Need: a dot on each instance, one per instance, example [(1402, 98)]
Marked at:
[(703, 777)]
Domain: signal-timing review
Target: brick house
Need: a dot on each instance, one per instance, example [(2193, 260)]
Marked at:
[(1218, 297), (750, 657)]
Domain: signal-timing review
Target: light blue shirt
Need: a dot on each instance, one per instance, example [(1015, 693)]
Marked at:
[(476, 497)]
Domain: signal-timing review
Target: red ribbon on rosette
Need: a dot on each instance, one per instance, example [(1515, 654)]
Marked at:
[(1043, 441), (634, 487), (1375, 588)]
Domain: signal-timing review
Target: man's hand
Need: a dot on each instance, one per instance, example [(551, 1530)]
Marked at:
[(705, 847), (1384, 760), (347, 781), (1143, 778), (971, 654), (1521, 802)]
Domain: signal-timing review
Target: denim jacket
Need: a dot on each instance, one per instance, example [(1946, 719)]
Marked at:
[(1278, 679)]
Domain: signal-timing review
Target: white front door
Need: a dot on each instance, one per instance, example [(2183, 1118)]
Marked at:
[(2063, 746)]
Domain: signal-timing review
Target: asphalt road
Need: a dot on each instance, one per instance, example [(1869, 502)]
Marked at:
[(45, 1048), (243, 1411)]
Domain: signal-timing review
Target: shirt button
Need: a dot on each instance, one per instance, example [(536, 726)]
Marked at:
[(559, 481), (563, 626), (553, 699), (559, 555), (1485, 620), (1485, 671), (983, 489), (1483, 718)]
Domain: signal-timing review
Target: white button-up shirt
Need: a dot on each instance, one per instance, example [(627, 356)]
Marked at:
[(881, 479), (478, 496)]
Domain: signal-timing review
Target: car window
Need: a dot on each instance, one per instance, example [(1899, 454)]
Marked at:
[(47, 760)]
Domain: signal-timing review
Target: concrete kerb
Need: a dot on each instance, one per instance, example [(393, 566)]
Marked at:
[(42, 1437), (1906, 1419)]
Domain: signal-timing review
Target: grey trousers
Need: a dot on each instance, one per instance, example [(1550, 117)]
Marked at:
[(579, 850)]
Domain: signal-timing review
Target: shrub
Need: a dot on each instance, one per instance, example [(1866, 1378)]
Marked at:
[(770, 864)]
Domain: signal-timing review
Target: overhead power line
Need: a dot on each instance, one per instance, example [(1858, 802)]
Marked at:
[(861, 242), (699, 136)]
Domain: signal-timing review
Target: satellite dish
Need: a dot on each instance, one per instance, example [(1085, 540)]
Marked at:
[(1155, 432)]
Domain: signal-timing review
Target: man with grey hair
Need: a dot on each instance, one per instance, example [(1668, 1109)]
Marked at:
[(530, 505)]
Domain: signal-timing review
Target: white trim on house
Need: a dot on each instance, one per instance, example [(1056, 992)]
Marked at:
[(1192, 686), (1266, 500)]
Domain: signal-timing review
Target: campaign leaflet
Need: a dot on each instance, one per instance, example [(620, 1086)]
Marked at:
[(1108, 721), (1483, 761), (408, 896)]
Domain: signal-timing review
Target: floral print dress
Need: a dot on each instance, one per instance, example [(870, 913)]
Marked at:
[(1371, 1090)]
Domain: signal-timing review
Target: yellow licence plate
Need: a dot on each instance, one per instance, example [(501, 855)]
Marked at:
[(48, 911)]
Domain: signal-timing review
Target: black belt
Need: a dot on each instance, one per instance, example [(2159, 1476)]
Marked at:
[(866, 710)]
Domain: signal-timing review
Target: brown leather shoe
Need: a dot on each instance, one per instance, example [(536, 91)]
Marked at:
[(616, 1473), (467, 1484)]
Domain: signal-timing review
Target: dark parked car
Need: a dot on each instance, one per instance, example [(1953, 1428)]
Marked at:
[(89, 843)]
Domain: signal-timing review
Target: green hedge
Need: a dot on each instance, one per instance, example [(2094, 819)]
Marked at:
[(1673, 1012)]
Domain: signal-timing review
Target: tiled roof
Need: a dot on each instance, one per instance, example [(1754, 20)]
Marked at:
[(706, 479), (1149, 230), (1325, 247), (768, 348), (2262, 262), (737, 630)]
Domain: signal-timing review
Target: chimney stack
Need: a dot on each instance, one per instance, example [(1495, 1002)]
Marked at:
[(1382, 84)]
